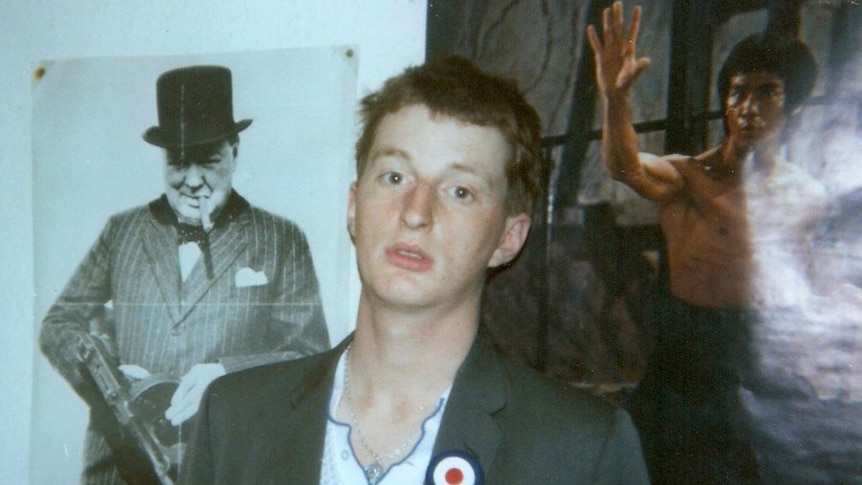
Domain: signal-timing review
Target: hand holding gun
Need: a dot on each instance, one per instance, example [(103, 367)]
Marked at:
[(136, 407)]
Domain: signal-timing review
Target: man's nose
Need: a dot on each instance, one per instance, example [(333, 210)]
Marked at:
[(418, 211), (748, 105), (194, 177)]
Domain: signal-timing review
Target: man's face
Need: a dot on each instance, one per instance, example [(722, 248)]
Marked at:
[(755, 107), (427, 215), (199, 176)]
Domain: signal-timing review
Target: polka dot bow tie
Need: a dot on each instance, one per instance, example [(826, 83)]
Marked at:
[(189, 233)]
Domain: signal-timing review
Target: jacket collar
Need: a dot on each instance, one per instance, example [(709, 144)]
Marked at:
[(469, 424), (319, 382), (305, 425), (478, 394)]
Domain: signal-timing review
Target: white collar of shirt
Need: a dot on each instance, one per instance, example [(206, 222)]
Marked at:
[(340, 465), (189, 253)]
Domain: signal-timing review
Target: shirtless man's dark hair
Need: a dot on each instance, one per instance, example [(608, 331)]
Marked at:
[(785, 57)]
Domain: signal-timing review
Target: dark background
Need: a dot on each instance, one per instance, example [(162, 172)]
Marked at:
[(580, 302)]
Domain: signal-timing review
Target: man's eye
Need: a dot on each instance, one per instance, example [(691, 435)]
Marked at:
[(393, 178), (768, 91), (461, 193)]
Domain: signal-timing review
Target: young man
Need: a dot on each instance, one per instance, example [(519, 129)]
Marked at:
[(736, 220), (200, 282), (449, 170)]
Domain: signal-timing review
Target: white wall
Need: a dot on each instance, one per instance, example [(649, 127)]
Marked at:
[(390, 34)]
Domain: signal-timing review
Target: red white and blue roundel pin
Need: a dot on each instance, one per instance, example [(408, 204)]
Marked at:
[(454, 467)]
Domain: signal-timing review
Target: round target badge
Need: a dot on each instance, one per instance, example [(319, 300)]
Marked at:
[(454, 468)]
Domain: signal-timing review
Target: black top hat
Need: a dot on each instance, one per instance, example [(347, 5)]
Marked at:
[(195, 107)]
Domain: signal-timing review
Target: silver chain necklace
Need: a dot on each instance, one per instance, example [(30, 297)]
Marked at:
[(373, 472)]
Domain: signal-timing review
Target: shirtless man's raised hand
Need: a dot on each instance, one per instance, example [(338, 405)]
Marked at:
[(617, 69)]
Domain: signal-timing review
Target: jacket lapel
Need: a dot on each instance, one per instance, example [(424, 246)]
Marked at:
[(305, 426), (160, 246), (225, 245), (477, 394)]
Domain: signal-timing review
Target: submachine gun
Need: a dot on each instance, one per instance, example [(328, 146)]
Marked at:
[(139, 407)]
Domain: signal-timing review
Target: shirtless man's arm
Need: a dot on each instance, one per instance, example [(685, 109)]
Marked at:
[(617, 68)]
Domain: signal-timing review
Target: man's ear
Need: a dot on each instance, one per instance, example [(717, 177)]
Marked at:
[(351, 211), (512, 240)]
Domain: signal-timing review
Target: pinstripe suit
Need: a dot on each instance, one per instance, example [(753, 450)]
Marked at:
[(167, 326)]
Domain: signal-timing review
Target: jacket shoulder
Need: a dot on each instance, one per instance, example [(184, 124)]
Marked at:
[(131, 214), (267, 225), (575, 436), (272, 219), (260, 384), (553, 398), (127, 222)]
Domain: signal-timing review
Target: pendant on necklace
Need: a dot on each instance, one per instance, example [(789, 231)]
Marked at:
[(373, 473)]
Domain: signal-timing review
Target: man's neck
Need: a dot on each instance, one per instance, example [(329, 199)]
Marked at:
[(398, 366), (760, 157), (395, 351)]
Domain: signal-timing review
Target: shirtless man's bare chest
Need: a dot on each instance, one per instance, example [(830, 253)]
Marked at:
[(708, 237)]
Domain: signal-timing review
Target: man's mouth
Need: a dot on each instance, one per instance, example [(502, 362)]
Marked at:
[(196, 199), (750, 124), (409, 257), (409, 254)]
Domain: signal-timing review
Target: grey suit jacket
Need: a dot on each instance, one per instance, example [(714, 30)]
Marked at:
[(267, 425), (261, 305)]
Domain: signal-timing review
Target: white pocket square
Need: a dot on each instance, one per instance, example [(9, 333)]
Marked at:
[(249, 277)]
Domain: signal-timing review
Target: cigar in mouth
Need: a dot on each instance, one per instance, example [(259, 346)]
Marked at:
[(203, 207)]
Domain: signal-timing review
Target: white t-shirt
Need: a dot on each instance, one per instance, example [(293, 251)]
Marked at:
[(340, 465)]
